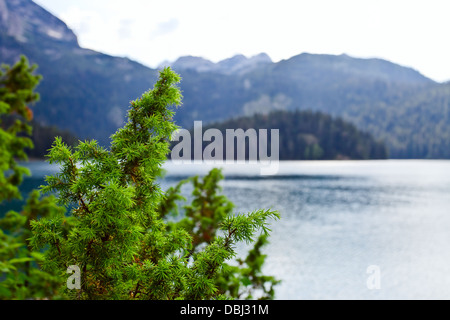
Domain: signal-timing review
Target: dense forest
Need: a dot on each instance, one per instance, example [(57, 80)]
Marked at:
[(308, 135)]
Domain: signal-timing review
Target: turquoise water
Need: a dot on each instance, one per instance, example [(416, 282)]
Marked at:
[(341, 219)]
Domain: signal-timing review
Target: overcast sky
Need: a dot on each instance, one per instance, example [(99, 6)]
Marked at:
[(408, 32)]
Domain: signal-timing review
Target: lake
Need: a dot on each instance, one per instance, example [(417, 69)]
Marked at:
[(348, 229)]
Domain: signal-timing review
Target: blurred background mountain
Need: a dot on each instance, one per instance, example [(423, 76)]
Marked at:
[(87, 93)]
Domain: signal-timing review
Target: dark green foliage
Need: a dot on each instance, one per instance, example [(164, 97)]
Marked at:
[(246, 279), (204, 218), (417, 126), (119, 238), (16, 92), (307, 135), (43, 137), (20, 277), (207, 210)]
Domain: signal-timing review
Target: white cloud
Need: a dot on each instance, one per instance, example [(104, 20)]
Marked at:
[(165, 28), (411, 33), (80, 21), (124, 30)]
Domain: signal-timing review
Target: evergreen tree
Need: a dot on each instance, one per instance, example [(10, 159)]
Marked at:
[(119, 239), (202, 218), (16, 92), (20, 277)]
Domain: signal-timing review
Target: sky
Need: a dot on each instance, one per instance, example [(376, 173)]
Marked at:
[(411, 33)]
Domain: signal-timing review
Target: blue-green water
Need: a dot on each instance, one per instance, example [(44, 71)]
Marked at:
[(339, 218)]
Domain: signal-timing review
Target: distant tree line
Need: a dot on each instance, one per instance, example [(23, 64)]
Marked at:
[(43, 137), (308, 135)]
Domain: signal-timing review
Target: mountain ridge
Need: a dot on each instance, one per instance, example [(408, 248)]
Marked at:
[(237, 64), (375, 67), (88, 92), (23, 20), (82, 90)]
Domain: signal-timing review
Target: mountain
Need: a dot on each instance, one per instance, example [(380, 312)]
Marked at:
[(238, 64), (371, 93), (82, 91), (88, 92), (29, 23)]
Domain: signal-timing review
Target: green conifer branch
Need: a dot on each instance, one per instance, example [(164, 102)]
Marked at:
[(118, 234)]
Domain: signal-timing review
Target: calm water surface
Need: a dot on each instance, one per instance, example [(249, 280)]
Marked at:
[(339, 218)]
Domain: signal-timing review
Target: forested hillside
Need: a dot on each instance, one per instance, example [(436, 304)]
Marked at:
[(307, 135), (393, 103)]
